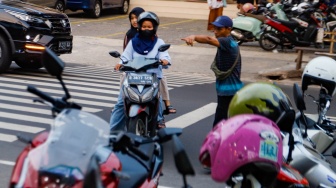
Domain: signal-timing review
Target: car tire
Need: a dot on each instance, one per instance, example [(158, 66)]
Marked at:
[(96, 11), (25, 64), (60, 6), (125, 7), (5, 57)]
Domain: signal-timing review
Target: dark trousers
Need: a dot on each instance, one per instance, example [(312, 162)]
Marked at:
[(222, 108)]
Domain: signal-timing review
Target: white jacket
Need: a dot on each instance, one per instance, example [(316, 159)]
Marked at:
[(215, 4)]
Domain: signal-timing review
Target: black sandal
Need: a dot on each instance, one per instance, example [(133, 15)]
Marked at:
[(169, 110), (161, 124)]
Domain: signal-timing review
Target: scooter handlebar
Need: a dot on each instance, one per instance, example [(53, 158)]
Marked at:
[(41, 94)]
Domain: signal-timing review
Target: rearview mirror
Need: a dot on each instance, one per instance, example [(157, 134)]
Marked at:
[(164, 47), (114, 54), (52, 63), (181, 159)]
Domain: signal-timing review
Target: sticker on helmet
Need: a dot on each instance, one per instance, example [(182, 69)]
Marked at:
[(268, 146), (268, 150)]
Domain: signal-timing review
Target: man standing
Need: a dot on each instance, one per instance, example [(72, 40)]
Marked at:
[(227, 62)]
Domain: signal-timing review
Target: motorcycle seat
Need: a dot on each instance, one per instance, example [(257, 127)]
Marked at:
[(291, 24)]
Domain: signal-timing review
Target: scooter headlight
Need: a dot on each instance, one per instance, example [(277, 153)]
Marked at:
[(148, 95), (132, 95)]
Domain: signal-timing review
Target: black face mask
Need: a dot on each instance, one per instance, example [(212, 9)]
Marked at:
[(146, 34)]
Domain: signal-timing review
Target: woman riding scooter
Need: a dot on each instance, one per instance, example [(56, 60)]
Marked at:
[(144, 44)]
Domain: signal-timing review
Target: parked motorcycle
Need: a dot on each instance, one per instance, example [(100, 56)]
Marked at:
[(141, 93), (248, 27), (270, 101), (62, 157), (319, 127), (300, 31)]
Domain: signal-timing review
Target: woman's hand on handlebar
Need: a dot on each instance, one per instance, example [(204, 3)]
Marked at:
[(117, 67), (164, 62)]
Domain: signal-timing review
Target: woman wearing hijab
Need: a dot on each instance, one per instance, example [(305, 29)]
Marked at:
[(145, 43), (133, 18)]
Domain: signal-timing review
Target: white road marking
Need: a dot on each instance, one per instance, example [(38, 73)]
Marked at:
[(10, 163), (192, 117), (26, 118), (68, 82), (66, 78), (60, 91), (70, 87), (24, 109), (79, 101), (22, 128), (7, 137)]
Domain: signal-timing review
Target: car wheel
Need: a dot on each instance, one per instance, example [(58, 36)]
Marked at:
[(26, 64), (96, 11), (5, 57), (124, 8), (60, 6)]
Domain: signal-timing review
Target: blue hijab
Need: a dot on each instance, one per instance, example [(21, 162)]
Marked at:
[(143, 46)]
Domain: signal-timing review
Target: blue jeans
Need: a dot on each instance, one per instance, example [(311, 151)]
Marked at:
[(118, 117)]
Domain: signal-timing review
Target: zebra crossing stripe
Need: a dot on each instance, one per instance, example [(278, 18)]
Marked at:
[(70, 87), (10, 163), (7, 138), (30, 101), (74, 94), (182, 80), (25, 109), (93, 72), (22, 128), (192, 117), (107, 86), (26, 118), (66, 78)]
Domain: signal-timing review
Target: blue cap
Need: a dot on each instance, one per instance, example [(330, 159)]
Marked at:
[(222, 21)]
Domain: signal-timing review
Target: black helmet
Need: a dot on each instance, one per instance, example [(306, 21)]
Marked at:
[(151, 16)]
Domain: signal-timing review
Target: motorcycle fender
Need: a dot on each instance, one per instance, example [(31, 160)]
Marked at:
[(247, 24), (136, 109)]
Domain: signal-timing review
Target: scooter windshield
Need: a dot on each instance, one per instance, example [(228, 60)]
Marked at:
[(71, 143), (139, 63)]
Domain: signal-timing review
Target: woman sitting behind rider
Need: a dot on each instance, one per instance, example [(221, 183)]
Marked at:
[(144, 44)]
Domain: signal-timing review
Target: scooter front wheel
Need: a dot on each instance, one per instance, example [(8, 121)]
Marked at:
[(138, 125), (266, 42)]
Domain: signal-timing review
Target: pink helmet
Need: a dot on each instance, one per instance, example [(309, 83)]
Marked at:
[(248, 143), (247, 7)]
